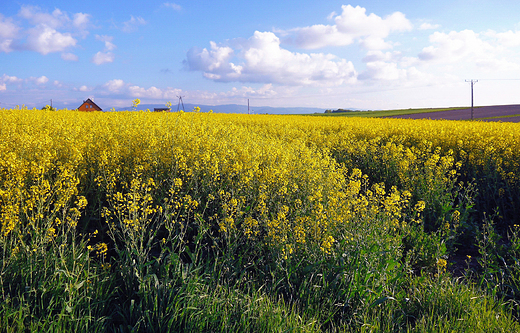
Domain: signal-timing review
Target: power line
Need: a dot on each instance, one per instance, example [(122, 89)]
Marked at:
[(179, 104), (499, 80)]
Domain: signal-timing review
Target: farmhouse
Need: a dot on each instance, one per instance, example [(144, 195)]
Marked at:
[(89, 105)]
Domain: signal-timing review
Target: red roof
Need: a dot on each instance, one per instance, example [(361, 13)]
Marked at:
[(89, 105)]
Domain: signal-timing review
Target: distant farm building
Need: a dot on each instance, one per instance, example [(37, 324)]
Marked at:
[(161, 109), (89, 105)]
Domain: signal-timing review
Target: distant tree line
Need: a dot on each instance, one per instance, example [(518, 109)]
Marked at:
[(338, 111)]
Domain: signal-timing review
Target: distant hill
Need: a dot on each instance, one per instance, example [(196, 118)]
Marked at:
[(230, 108)]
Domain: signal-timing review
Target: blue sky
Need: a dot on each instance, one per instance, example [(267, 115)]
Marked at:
[(332, 54)]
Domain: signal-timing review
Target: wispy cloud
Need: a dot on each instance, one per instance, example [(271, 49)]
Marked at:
[(429, 26), (133, 24), (109, 46), (172, 5), (69, 56), (105, 56), (36, 16)]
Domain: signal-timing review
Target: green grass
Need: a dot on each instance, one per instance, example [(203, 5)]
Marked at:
[(385, 113), (167, 295), (499, 117)]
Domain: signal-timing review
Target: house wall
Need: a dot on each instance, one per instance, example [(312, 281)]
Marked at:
[(87, 107)]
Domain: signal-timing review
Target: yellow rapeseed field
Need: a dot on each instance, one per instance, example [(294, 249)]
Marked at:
[(288, 182), (195, 221)]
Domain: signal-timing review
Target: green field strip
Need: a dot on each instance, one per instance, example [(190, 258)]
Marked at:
[(386, 113)]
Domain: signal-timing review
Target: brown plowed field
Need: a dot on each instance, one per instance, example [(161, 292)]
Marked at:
[(500, 111)]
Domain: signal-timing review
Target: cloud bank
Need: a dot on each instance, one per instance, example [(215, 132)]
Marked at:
[(261, 59)]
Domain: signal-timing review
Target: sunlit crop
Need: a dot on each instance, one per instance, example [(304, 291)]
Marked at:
[(141, 185)]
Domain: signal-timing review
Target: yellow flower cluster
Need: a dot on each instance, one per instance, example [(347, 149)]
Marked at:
[(441, 265)]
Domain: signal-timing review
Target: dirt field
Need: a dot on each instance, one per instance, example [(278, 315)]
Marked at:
[(500, 111)]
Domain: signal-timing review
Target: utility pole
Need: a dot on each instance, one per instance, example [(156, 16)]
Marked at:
[(472, 83), (248, 106)]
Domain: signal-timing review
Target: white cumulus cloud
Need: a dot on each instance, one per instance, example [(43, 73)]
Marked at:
[(114, 85), (488, 51), (45, 39), (57, 19), (507, 39), (39, 80), (262, 60), (81, 21), (353, 24), (214, 60), (8, 33), (152, 92), (43, 32), (454, 46), (103, 58), (10, 79), (7, 79)]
